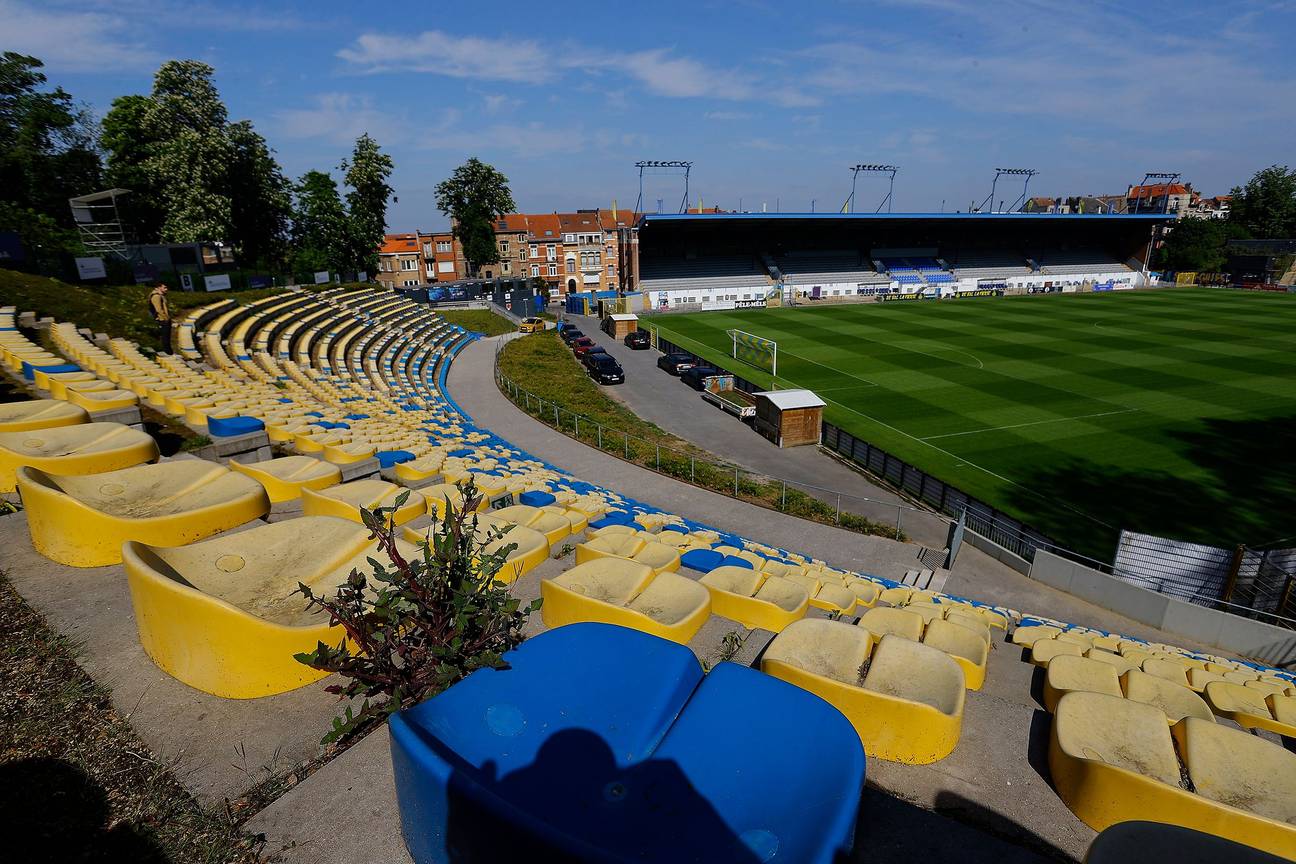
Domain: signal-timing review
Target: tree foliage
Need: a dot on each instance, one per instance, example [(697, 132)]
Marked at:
[(260, 198), (474, 197), (366, 174), (1265, 208), (320, 228), (1197, 245), (129, 142), (418, 626), (47, 152)]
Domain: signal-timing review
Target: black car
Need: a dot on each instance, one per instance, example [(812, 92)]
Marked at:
[(675, 363), (596, 351), (570, 335), (638, 340), (604, 369), (694, 375)]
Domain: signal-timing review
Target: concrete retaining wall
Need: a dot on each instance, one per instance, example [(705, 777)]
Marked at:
[(1265, 642), (997, 552)]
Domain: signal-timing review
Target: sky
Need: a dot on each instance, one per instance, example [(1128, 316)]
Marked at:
[(772, 101)]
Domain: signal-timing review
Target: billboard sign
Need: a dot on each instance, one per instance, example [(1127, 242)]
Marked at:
[(216, 283), (260, 281), (11, 248), (91, 268), (321, 277)]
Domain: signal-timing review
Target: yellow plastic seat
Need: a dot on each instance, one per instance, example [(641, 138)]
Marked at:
[(929, 611), (615, 590), (555, 527), (1068, 673), (439, 495), (418, 470), (1175, 700), (881, 621), (221, 615), (1116, 661), (346, 454), (967, 646), (1245, 706), (40, 414), (904, 699), (86, 448), (1044, 650), (346, 499), (866, 592), (1113, 760), (895, 596), (659, 556), (755, 600), (57, 382), (530, 549), (82, 521), (102, 400), (1164, 668), (285, 477), (1029, 635), (834, 598), (605, 545)]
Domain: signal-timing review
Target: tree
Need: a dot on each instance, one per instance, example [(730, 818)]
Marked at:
[(1196, 245), (319, 225), (130, 142), (366, 174), (474, 197), (1266, 206), (47, 150), (260, 199)]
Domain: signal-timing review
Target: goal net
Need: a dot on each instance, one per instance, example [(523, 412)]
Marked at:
[(755, 350)]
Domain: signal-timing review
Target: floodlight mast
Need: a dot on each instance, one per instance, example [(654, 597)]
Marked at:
[(1170, 177), (856, 170), (1027, 173), (657, 166)]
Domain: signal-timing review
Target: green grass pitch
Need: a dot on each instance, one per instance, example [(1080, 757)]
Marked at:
[(1171, 412)]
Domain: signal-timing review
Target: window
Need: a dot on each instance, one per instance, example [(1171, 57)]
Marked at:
[(409, 263), (551, 252), (522, 252), (569, 238), (427, 250), (503, 247), (445, 246), (535, 269), (611, 269), (504, 267), (535, 250), (571, 265), (553, 269), (410, 283)]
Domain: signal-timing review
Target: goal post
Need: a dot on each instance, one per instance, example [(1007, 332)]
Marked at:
[(755, 350)]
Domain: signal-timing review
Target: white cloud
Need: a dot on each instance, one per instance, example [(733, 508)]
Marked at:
[(727, 116), (340, 118), (72, 41), (454, 56)]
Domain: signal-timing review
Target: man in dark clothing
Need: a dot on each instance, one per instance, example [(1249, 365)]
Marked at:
[(161, 313)]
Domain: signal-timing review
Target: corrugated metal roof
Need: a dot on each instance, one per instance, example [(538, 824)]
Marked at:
[(787, 399)]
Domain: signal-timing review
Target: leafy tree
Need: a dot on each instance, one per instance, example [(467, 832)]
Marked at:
[(366, 174), (319, 225), (474, 197), (1266, 206), (45, 240), (260, 198), (130, 142), (422, 624), (1197, 245), (47, 150)]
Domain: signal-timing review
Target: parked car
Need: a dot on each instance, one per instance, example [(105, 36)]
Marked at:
[(570, 333), (582, 345), (693, 375), (604, 369), (638, 340), (531, 325), (596, 351), (675, 363)]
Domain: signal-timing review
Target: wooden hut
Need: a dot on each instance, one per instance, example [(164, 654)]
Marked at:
[(619, 324), (789, 418)]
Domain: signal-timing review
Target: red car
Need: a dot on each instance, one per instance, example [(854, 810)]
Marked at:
[(582, 345)]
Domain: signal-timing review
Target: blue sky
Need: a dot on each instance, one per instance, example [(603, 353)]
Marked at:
[(771, 100)]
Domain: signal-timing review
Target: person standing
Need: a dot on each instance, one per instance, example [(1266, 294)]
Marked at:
[(161, 313)]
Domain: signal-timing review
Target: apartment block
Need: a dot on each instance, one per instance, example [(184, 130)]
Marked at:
[(400, 261)]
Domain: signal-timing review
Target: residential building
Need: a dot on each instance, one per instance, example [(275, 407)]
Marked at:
[(400, 261), (1210, 208), (1160, 198), (442, 257)]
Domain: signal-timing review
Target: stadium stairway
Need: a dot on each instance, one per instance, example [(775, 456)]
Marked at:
[(357, 375)]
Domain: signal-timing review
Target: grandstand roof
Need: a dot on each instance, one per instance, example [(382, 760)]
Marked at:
[(1087, 218)]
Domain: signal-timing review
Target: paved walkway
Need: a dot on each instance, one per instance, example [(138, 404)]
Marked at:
[(663, 399)]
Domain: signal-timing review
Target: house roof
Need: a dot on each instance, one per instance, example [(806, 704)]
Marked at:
[(785, 400), (394, 244), (1157, 190)]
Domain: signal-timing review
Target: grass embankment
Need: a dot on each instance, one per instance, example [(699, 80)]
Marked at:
[(544, 366), (479, 321), (76, 782)]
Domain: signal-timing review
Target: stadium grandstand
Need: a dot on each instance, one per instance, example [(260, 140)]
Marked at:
[(723, 260)]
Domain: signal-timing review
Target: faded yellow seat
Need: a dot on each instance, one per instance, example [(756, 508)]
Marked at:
[(1175, 700), (834, 597), (553, 526), (604, 545), (659, 556), (616, 590), (929, 611), (969, 648), (1067, 674), (40, 414), (423, 468), (285, 477), (82, 521), (882, 620), (346, 454), (754, 599), (56, 382), (1245, 706), (1029, 635), (1113, 760), (221, 615), (86, 448), (1116, 661), (904, 699), (895, 596), (530, 548), (440, 495), (1044, 650), (346, 500), (1164, 668), (866, 592)]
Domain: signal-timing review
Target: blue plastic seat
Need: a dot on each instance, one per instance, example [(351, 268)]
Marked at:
[(536, 498), (388, 458), (735, 561), (605, 744), (29, 369), (702, 560), (224, 427)]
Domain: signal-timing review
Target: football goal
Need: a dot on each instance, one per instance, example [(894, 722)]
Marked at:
[(755, 350)]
